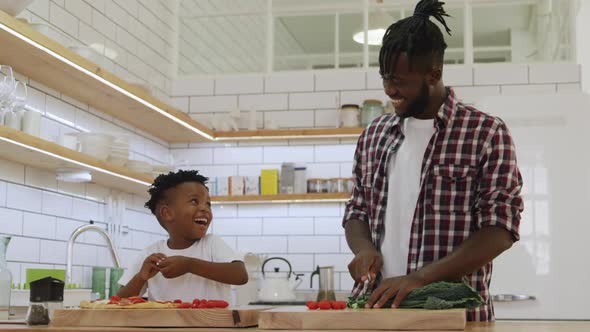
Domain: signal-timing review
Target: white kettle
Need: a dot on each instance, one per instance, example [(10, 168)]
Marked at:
[(277, 286)]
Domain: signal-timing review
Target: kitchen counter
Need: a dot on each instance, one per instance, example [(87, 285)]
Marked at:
[(499, 326)]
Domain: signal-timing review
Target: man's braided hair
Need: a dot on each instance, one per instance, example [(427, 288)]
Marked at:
[(417, 36)]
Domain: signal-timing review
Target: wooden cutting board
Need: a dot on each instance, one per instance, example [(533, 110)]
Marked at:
[(231, 317), (300, 318)]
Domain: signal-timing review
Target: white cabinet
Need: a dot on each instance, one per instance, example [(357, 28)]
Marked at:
[(551, 262)]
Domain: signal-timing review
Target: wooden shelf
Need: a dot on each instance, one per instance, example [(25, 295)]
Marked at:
[(282, 198), (29, 150), (33, 151), (288, 134), (56, 66)]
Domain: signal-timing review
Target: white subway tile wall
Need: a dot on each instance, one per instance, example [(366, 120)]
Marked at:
[(41, 213), (340, 80), (140, 32), (501, 74), (311, 234)]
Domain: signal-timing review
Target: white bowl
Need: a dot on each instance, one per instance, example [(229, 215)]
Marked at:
[(139, 166), (14, 7), (93, 56), (52, 33), (97, 145), (118, 161)]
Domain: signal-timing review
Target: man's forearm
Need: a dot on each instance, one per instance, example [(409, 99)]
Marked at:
[(133, 287), (478, 250), (358, 236), (233, 273)]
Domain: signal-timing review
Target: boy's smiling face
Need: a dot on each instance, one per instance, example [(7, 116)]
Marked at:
[(187, 212)]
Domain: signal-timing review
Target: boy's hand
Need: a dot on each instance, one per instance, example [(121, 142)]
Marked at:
[(151, 266), (175, 266)]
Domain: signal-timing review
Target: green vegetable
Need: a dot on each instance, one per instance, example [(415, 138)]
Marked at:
[(435, 296)]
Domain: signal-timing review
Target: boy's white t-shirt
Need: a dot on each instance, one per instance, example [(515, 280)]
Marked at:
[(189, 286)]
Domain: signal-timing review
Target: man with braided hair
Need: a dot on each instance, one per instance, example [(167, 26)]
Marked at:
[(437, 186)]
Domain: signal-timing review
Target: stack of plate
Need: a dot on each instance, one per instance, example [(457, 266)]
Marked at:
[(97, 145), (139, 166), (120, 150), (161, 169)]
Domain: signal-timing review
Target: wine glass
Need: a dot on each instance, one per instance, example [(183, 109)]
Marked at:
[(7, 86)]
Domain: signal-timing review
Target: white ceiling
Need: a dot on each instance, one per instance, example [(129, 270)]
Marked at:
[(227, 36)]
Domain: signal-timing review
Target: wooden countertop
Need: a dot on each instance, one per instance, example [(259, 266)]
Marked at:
[(499, 326)]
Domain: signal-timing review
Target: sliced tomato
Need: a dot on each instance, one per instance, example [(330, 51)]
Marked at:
[(178, 301), (115, 298), (312, 305), (196, 301), (324, 305), (222, 304), (202, 306), (217, 304), (185, 305), (124, 301), (339, 305)]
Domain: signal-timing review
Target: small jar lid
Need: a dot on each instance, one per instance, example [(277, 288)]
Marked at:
[(373, 102), (349, 106)]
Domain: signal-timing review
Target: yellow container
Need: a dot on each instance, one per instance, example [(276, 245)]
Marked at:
[(269, 181)]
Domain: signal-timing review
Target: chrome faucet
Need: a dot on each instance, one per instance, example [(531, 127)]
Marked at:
[(73, 237)]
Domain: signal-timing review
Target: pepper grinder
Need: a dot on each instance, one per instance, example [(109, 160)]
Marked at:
[(326, 276), (46, 296), (38, 312)]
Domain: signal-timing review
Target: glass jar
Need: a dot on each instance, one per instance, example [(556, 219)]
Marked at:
[(372, 109), (5, 279), (336, 185), (324, 186), (300, 181), (314, 185), (349, 116), (348, 184), (38, 314)]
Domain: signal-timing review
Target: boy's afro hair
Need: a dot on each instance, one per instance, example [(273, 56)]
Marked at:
[(166, 181)]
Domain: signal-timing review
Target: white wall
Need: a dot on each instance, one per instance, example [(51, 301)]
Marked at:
[(204, 41), (583, 47), (143, 33), (41, 212), (310, 234)]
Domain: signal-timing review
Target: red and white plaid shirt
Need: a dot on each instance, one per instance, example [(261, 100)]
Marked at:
[(469, 180)]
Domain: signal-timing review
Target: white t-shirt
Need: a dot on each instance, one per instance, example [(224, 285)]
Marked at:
[(189, 286), (403, 176)]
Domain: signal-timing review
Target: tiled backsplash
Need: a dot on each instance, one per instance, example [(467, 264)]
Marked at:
[(62, 114), (311, 99), (311, 234), (41, 212), (142, 33)]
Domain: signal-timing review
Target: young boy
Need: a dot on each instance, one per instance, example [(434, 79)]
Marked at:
[(190, 263)]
